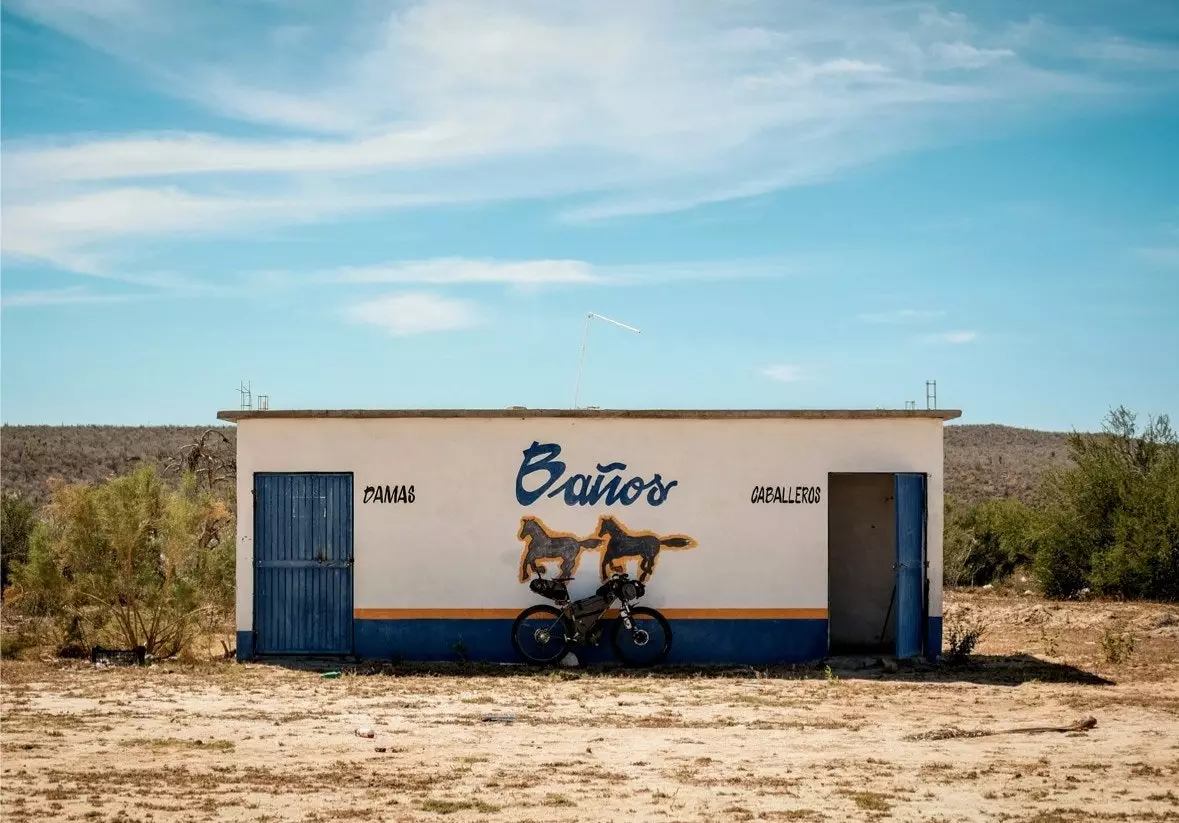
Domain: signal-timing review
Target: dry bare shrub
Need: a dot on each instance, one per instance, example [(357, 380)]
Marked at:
[(964, 629)]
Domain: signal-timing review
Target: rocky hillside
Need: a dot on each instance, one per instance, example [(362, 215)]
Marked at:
[(984, 462)]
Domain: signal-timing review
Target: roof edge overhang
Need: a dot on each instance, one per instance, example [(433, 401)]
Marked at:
[(236, 415)]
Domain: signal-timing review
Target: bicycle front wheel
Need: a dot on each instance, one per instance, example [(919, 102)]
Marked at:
[(647, 642), (538, 635)]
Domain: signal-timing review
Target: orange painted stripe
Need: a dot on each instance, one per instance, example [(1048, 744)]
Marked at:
[(746, 614), (675, 614), (437, 614)]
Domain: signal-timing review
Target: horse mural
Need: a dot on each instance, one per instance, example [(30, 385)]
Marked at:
[(544, 545), (623, 545)]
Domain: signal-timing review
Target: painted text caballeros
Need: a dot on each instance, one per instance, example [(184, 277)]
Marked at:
[(785, 494)]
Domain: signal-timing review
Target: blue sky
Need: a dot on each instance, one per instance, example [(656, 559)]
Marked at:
[(377, 204)]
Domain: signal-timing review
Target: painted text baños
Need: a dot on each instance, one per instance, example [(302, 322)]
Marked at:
[(540, 461)]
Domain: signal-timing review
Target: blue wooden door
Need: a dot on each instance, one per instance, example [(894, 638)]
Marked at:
[(910, 563), (302, 563)]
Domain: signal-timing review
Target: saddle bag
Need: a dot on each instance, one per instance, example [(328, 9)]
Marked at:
[(552, 589)]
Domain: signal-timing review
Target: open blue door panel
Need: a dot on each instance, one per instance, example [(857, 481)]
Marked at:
[(912, 594)]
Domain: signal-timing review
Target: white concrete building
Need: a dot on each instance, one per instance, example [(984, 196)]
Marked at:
[(785, 535)]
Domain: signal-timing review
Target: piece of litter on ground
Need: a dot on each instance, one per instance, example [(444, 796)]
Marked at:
[(382, 749), (499, 718), (330, 675), (364, 731)]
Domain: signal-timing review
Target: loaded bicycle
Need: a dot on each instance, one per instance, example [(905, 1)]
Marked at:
[(543, 634)]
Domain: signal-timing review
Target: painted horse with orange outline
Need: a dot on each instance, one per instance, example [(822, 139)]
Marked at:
[(541, 544), (623, 545)]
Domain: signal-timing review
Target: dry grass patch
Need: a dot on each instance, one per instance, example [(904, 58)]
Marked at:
[(446, 806), (871, 801), (173, 743)]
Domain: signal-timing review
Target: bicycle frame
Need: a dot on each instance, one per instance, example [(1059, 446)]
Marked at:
[(581, 628)]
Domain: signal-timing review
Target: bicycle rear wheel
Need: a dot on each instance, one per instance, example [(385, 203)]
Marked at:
[(538, 635), (647, 642)]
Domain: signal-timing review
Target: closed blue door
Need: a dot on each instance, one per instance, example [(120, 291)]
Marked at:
[(910, 563), (303, 563)]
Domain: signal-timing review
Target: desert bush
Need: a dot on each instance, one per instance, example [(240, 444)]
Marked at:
[(128, 562), (957, 544), (963, 630), (18, 515), (985, 543), (1111, 524), (1117, 646)]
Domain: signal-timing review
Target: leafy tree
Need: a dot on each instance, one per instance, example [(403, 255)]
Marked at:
[(18, 516), (129, 562), (1112, 522)]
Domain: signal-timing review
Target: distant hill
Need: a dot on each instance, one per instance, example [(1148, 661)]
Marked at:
[(981, 461), (989, 461), (30, 455)]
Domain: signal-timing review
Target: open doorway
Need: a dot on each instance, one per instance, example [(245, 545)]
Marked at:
[(861, 552)]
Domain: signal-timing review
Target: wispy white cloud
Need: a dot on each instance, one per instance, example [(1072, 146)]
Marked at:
[(784, 373), (65, 296), (900, 316), (411, 313), (435, 272), (527, 273), (953, 337), (1163, 249), (1159, 255), (628, 108), (445, 271)]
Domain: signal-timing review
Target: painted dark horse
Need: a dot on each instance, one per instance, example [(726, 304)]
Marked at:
[(622, 545), (540, 544)]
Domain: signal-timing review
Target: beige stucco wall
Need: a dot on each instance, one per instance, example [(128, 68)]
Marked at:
[(456, 546)]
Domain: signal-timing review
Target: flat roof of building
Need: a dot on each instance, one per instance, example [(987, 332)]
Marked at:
[(235, 415)]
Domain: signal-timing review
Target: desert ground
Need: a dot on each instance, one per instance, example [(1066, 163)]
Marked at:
[(217, 740)]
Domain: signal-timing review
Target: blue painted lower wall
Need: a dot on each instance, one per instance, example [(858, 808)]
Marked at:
[(245, 645), (693, 641), (933, 637), (761, 642)]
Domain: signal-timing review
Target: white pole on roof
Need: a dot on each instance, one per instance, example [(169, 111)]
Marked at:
[(584, 339)]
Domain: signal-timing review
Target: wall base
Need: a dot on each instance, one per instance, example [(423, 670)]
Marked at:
[(245, 645), (695, 641), (933, 637)]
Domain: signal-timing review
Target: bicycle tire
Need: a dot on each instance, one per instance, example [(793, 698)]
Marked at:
[(619, 627), (533, 611)]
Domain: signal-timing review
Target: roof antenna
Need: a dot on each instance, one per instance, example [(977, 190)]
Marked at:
[(584, 338)]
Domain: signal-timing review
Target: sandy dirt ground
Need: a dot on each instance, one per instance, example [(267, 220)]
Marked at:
[(220, 741)]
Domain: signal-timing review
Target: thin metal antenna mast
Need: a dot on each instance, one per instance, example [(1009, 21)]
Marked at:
[(584, 339)]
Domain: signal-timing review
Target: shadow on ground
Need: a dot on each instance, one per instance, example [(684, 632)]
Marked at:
[(988, 670)]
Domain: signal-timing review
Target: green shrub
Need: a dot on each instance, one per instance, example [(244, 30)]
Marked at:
[(987, 542), (1111, 524), (128, 562), (18, 516)]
